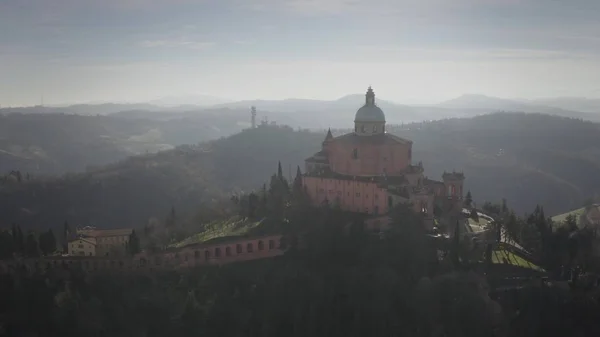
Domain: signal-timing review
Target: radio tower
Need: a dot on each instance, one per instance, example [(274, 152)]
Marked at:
[(253, 118)]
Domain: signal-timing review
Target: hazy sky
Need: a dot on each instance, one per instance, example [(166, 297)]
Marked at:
[(410, 51)]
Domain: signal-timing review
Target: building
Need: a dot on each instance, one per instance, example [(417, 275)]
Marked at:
[(82, 246), (370, 171), (105, 242)]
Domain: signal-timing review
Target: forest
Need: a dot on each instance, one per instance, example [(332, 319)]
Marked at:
[(341, 281), (526, 158)]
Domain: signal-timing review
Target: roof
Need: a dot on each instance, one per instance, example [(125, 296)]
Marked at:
[(316, 160), (105, 232), (370, 112), (378, 139), (428, 181), (453, 175), (88, 240)]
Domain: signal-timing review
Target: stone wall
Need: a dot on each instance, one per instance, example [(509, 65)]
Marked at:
[(176, 259)]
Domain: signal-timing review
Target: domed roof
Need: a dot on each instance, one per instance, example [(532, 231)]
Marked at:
[(370, 112)]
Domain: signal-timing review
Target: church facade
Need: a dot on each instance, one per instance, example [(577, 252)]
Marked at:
[(370, 171)]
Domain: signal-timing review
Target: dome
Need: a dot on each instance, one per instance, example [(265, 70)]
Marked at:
[(370, 112)]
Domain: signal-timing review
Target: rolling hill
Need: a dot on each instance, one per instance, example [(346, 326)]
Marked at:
[(527, 158)]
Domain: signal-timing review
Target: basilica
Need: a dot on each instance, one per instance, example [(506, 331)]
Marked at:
[(370, 171)]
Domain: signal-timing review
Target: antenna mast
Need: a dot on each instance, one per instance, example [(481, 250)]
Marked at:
[(253, 116)]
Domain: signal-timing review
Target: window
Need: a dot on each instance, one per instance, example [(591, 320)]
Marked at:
[(238, 248), (271, 244), (358, 194), (206, 255), (390, 202), (80, 246), (355, 154), (227, 251), (261, 245), (249, 248), (362, 129), (197, 254), (330, 191), (376, 196), (217, 252), (374, 128), (376, 210)]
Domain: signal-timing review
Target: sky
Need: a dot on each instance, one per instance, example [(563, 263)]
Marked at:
[(424, 51)]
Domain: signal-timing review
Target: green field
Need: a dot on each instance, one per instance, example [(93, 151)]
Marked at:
[(559, 219), (220, 230), (513, 259)]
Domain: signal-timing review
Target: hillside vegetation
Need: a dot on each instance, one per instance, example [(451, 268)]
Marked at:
[(525, 158), (41, 144)]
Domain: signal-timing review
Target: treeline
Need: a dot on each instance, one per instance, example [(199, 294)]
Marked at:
[(535, 167), (15, 243), (558, 247), (343, 282)]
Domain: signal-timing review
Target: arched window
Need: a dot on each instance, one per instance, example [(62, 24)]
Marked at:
[(261, 245), (206, 255), (238, 249), (227, 251), (197, 254), (217, 252), (249, 248)]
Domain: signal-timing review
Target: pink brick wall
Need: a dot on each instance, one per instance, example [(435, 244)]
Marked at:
[(355, 196)]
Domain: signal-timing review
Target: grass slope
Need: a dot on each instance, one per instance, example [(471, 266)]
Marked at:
[(513, 259), (560, 219), (220, 230)]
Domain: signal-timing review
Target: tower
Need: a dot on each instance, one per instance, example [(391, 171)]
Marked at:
[(253, 116), (369, 119), (453, 183)]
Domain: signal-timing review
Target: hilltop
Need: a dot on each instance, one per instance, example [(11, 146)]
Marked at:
[(528, 159), (133, 191), (42, 144)]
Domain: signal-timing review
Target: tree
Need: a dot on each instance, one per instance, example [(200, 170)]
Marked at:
[(468, 199), (474, 215), (66, 236), (31, 246), (17, 236), (7, 245), (571, 222), (47, 242), (134, 243)]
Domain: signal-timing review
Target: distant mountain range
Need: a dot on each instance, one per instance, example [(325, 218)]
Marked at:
[(311, 113)]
